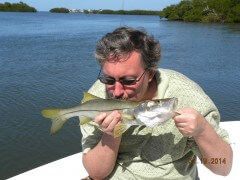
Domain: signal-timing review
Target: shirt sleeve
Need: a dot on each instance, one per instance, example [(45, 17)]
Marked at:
[(190, 94), (222, 133)]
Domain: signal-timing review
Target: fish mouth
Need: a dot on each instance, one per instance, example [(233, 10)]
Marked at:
[(124, 99)]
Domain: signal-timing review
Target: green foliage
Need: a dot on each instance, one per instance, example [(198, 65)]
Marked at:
[(16, 7), (234, 14), (168, 11), (194, 15), (131, 12), (210, 17), (59, 10), (184, 6), (204, 11)]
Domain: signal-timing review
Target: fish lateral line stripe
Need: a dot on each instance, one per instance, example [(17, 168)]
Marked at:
[(92, 111)]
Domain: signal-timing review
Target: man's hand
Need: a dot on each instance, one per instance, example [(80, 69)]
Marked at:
[(190, 122), (107, 122)]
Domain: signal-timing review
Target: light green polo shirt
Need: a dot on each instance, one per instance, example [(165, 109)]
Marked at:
[(161, 152)]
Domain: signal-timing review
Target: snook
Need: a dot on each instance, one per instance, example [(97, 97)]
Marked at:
[(148, 113)]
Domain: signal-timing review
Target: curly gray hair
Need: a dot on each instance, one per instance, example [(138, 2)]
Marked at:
[(122, 41)]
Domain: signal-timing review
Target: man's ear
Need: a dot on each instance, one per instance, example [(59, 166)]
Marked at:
[(151, 74)]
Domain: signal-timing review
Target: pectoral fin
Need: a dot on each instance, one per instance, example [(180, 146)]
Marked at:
[(128, 116), (84, 120), (120, 129)]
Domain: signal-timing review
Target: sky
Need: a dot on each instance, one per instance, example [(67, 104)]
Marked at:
[(46, 5)]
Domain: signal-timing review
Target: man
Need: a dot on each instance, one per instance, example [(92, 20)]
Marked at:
[(129, 60)]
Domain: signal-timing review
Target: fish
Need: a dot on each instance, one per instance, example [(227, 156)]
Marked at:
[(133, 113)]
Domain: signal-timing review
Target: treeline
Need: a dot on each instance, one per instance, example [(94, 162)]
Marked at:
[(106, 11), (16, 7), (130, 12), (204, 11), (59, 10)]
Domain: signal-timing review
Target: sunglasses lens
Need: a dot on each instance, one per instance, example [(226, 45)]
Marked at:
[(127, 81), (108, 81)]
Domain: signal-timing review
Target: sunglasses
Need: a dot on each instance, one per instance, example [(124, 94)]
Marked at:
[(128, 81)]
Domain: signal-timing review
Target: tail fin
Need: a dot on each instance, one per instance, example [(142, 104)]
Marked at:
[(120, 129), (57, 120)]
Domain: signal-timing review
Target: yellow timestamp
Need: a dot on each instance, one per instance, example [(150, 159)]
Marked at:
[(207, 161), (213, 161)]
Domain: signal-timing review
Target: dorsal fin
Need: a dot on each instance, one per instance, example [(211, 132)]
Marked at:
[(88, 97)]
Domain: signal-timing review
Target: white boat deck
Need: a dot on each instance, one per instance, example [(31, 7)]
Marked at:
[(71, 167)]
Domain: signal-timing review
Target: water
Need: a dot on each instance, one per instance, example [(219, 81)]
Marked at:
[(47, 60)]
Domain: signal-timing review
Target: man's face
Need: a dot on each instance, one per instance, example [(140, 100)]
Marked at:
[(131, 68)]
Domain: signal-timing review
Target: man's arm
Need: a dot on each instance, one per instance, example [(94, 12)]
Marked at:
[(100, 161), (211, 146)]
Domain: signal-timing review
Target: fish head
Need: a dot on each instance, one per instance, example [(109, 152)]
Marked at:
[(156, 111), (169, 104)]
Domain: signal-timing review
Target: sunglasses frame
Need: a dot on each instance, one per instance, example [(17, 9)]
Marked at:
[(121, 80)]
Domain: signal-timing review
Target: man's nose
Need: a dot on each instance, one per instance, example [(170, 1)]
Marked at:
[(118, 90)]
